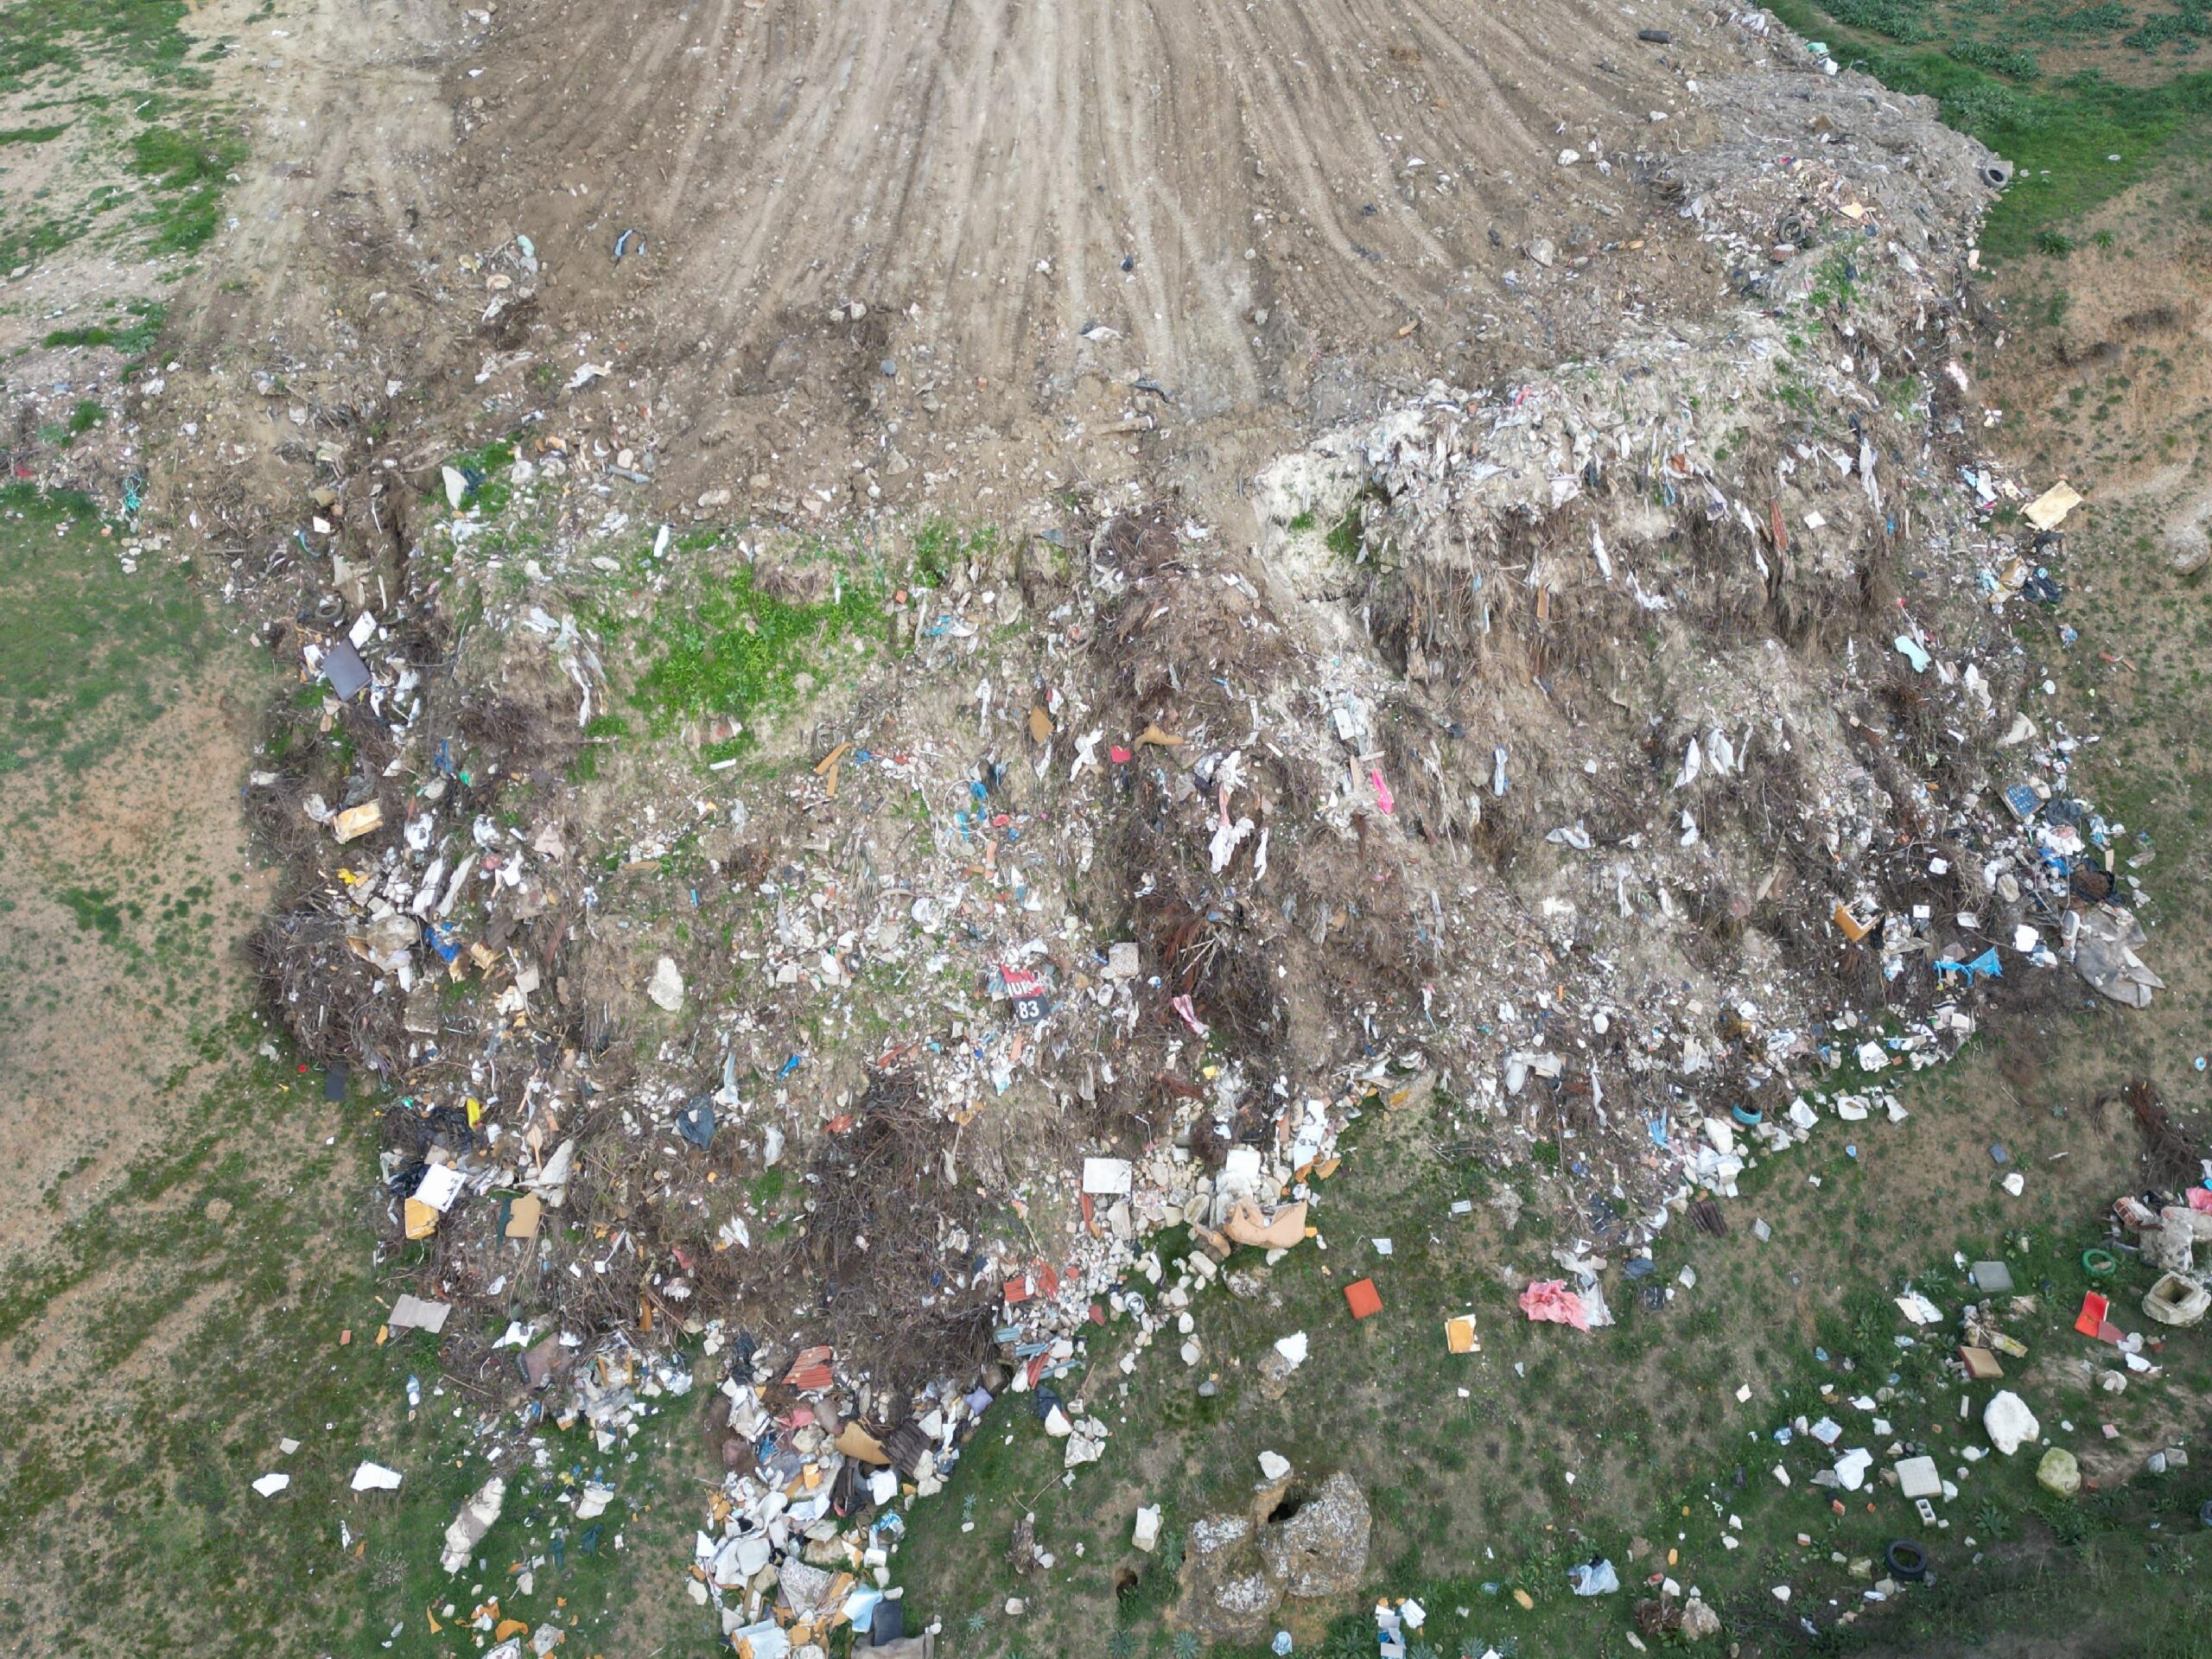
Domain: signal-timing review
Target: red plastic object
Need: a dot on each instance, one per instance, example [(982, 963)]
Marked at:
[(1362, 1299), (2091, 1320)]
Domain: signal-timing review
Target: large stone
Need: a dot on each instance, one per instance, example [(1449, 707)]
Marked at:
[(1238, 1568), (1230, 1589), (1145, 1536), (1321, 1548), (2059, 1474), (2010, 1424), (1274, 1372)]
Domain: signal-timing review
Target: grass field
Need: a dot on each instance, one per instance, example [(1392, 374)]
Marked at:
[(2082, 110)]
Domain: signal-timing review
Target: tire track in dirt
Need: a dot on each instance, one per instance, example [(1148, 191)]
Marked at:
[(1275, 211), (339, 109), (994, 163)]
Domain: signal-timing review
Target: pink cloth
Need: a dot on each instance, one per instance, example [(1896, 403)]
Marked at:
[(2200, 1198), (1383, 798), (1548, 1301)]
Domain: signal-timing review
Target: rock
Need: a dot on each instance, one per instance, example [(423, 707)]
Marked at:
[(666, 989), (1267, 1497), (2009, 1422), (1699, 1621), (2059, 1474), (1543, 253), (1230, 1589), (1851, 1468), (1086, 1445), (1273, 1466), (1238, 1568), (1321, 1549), (1146, 1534)]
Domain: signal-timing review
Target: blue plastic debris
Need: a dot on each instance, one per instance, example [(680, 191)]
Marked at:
[(696, 1122), (1985, 966)]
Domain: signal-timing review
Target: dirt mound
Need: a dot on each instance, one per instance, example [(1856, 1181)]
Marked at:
[(1389, 795), (836, 261), (850, 937)]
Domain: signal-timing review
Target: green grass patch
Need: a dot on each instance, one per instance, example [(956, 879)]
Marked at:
[(941, 547), (2187, 27), (133, 337), (96, 913), (735, 650), (1344, 538), (85, 55), (188, 170), (86, 652), (486, 472), (38, 36), (2058, 135)]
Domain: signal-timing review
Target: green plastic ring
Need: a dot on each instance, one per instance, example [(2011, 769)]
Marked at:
[(2099, 1264)]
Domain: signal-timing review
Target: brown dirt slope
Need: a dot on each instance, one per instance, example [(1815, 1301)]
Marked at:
[(1272, 216)]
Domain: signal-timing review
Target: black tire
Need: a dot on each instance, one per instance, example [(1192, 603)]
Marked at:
[(1908, 1561)]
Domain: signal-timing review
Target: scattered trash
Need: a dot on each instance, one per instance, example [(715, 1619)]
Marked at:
[(476, 1518), (375, 1478), (2047, 511), (666, 989), (411, 1312), (1549, 1300), (1593, 1579)]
